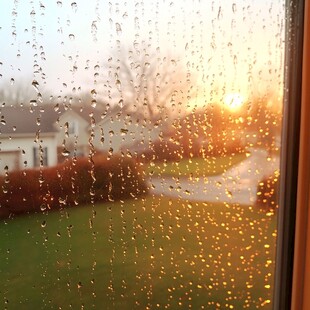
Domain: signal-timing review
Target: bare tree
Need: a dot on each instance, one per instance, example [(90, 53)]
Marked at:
[(148, 83), (21, 92)]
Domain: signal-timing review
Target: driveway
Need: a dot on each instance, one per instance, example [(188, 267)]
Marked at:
[(236, 185)]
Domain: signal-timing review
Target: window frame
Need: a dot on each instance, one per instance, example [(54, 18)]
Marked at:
[(40, 153), (290, 280), (73, 128), (289, 165), (301, 278)]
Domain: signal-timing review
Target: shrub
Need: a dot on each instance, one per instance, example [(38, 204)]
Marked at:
[(77, 181), (268, 191)]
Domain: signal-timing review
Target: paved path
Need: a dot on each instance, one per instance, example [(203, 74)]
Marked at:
[(236, 185)]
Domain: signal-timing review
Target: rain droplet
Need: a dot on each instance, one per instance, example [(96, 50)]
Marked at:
[(65, 152), (56, 107), (124, 131), (12, 81), (94, 25), (93, 93), (118, 85), (43, 224), (34, 103), (43, 207), (74, 6), (234, 7), (118, 28), (71, 36), (35, 84)]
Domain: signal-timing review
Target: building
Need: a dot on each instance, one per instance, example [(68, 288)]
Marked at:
[(44, 136)]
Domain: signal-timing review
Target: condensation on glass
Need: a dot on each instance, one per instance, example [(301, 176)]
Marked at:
[(139, 153)]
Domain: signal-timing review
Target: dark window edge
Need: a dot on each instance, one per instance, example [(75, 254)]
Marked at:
[(289, 155)]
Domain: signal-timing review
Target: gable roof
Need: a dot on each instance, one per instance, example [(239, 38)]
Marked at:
[(29, 119), (23, 120)]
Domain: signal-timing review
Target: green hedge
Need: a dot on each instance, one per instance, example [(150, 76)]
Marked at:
[(77, 181)]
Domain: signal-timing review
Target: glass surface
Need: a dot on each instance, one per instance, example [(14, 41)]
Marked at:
[(139, 153)]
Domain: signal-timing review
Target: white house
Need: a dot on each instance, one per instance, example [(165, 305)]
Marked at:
[(44, 136)]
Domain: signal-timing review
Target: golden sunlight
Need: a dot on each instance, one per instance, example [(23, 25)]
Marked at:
[(233, 100)]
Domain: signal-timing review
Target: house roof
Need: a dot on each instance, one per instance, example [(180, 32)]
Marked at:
[(28, 119), (23, 120)]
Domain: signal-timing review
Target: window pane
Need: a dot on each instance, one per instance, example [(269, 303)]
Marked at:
[(139, 155)]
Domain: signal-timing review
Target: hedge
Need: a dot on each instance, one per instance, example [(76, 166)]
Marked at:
[(77, 181)]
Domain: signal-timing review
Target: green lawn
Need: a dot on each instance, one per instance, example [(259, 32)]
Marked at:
[(196, 167), (145, 254)]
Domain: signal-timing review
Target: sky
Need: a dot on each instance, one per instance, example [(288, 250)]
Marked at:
[(224, 46)]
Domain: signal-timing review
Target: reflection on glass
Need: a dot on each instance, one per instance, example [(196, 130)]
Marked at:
[(139, 153)]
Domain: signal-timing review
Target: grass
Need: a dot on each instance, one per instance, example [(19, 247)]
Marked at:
[(144, 254), (196, 167)]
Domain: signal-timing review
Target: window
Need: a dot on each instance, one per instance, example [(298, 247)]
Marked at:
[(165, 169), (40, 156), (73, 128)]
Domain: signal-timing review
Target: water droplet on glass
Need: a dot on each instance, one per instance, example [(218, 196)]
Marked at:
[(35, 84), (124, 131), (93, 93), (65, 152), (234, 7), (33, 103), (118, 28), (118, 85), (71, 36), (12, 81), (43, 224), (74, 6), (43, 207), (40, 97), (94, 25)]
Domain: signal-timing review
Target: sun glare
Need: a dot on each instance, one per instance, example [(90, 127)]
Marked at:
[(233, 101)]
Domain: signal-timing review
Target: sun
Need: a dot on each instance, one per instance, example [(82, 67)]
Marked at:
[(233, 101)]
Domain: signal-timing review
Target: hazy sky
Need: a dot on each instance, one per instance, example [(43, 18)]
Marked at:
[(227, 46)]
